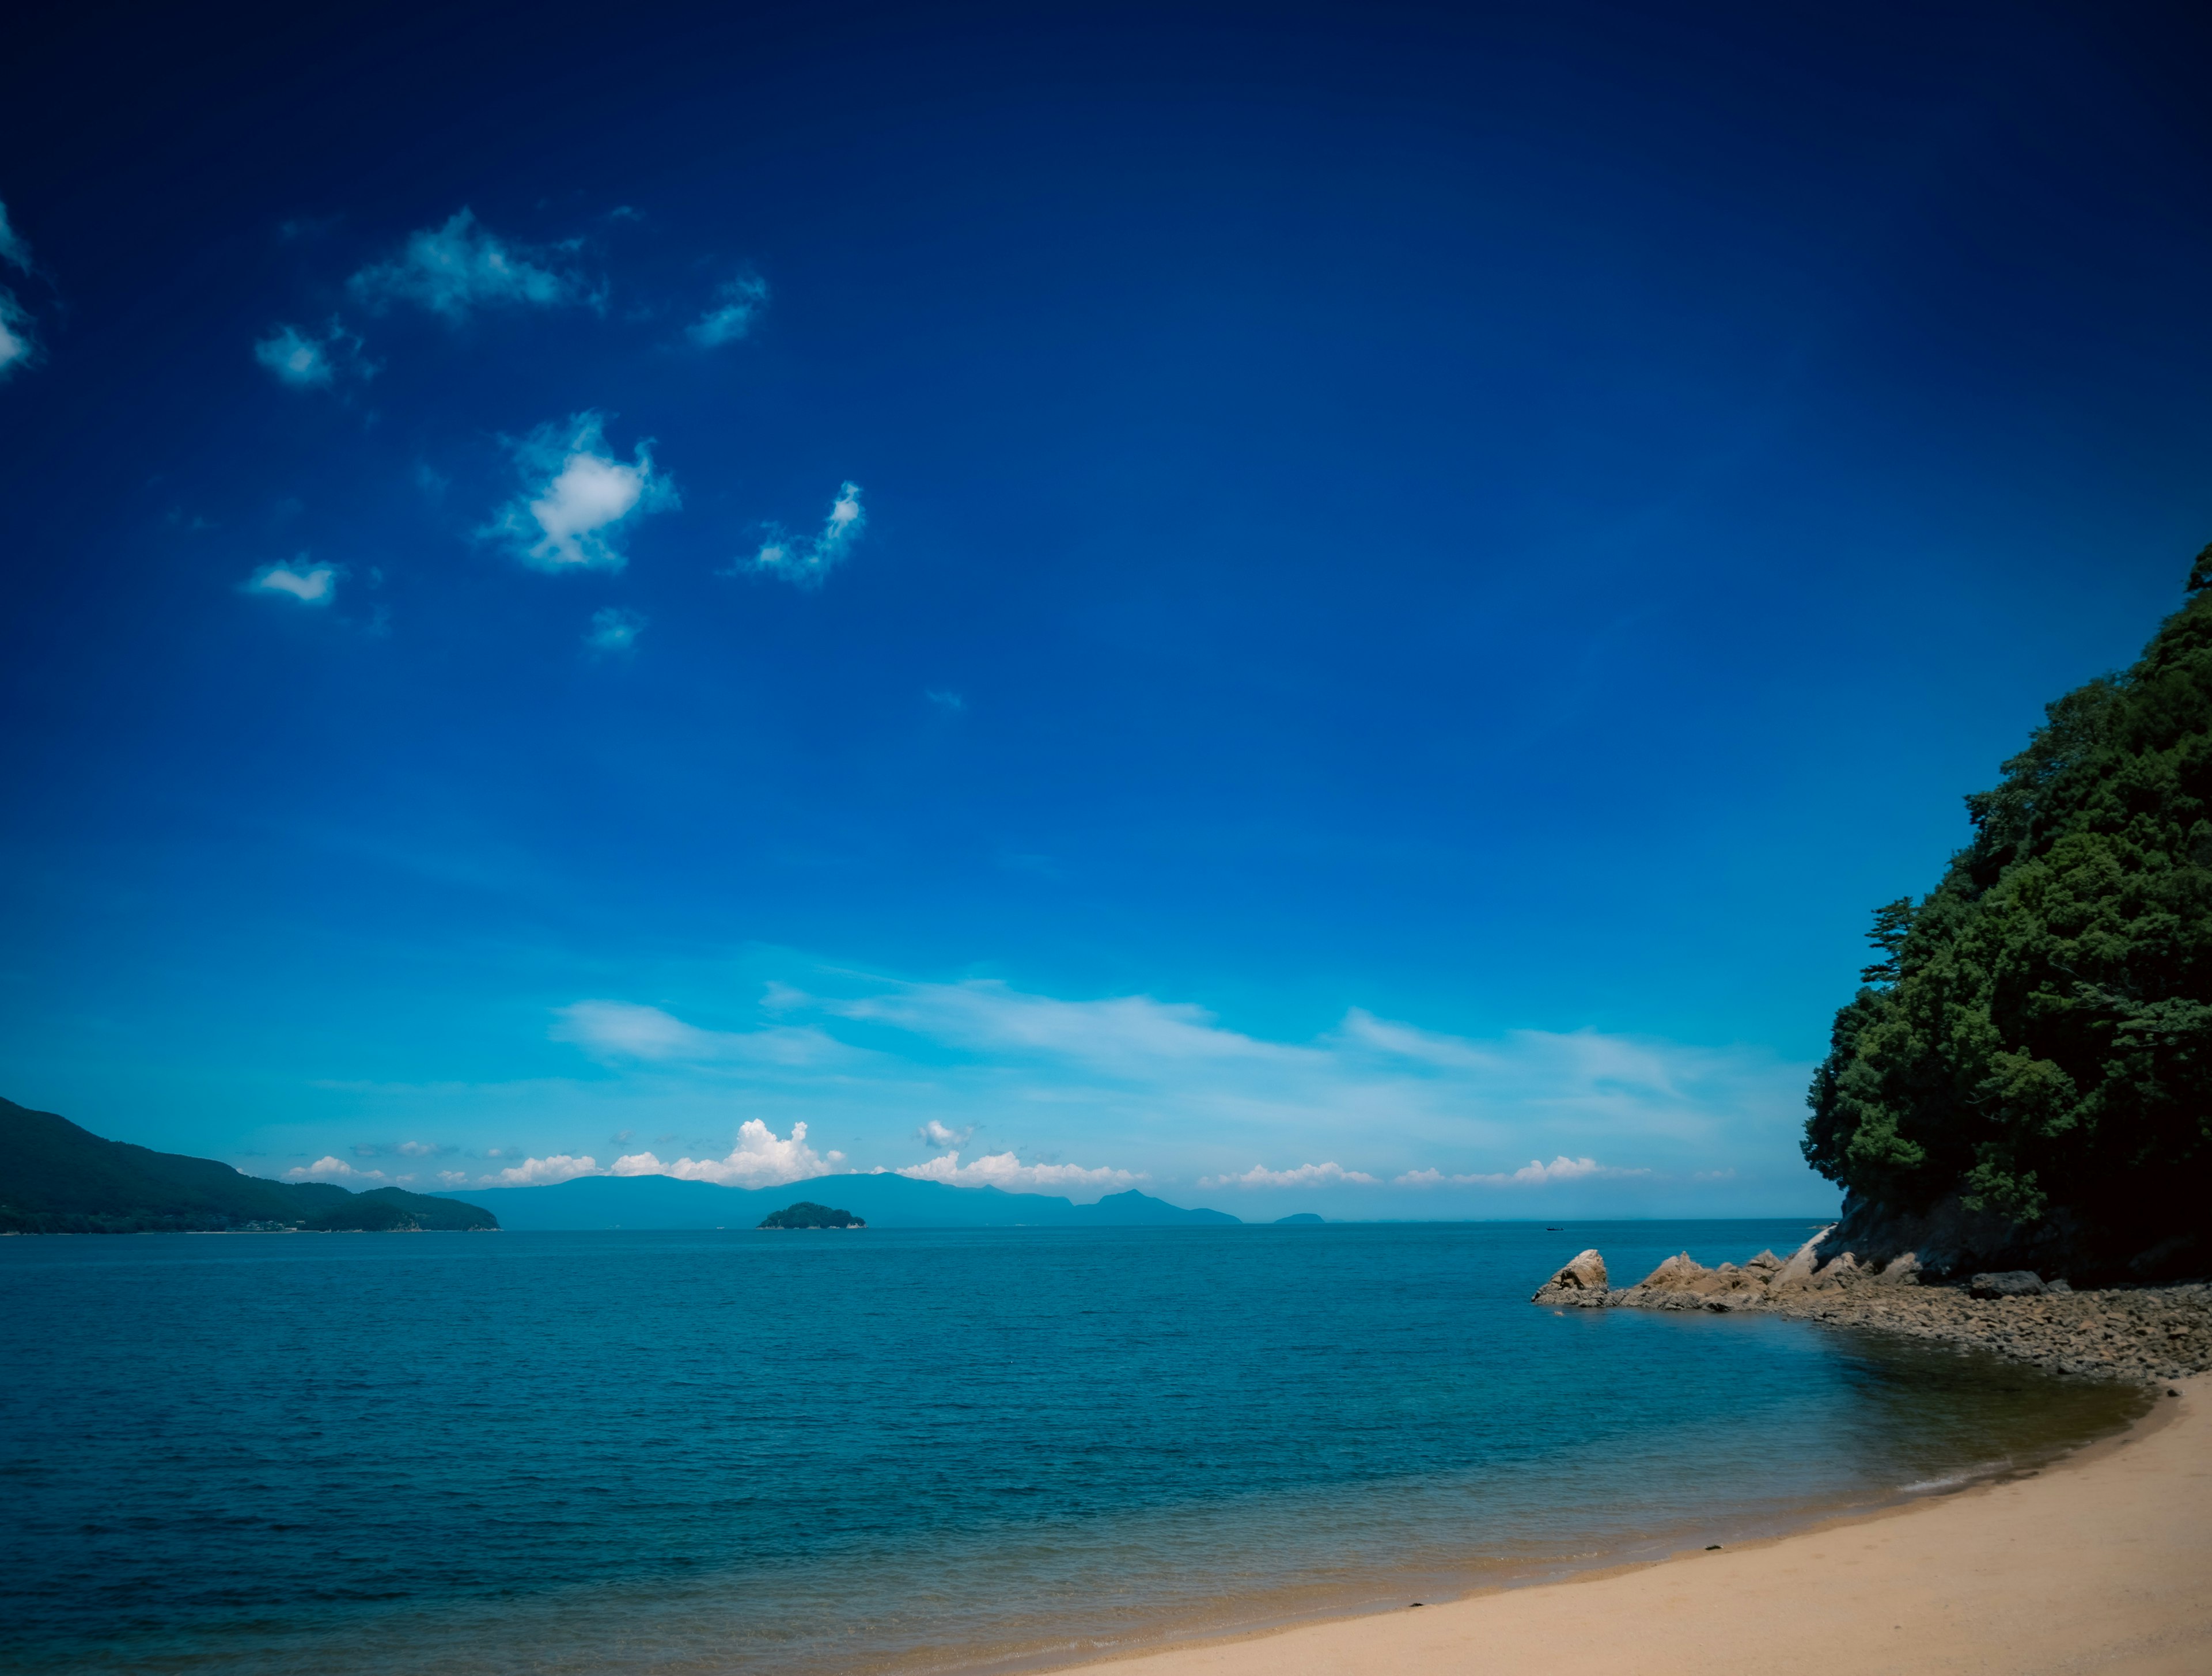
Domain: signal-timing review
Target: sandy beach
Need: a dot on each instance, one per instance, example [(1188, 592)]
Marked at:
[(2101, 1564)]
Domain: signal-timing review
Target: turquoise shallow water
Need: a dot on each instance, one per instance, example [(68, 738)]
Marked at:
[(908, 1450)]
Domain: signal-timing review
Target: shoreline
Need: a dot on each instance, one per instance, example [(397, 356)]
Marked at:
[(2095, 1563)]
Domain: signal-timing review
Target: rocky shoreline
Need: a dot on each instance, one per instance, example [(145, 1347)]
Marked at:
[(2141, 1334)]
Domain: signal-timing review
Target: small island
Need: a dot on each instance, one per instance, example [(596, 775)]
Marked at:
[(806, 1214)]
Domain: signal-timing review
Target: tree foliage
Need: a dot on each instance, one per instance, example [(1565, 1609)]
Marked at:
[(2038, 1036)]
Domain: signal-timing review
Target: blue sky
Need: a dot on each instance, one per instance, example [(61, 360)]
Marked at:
[(1340, 608)]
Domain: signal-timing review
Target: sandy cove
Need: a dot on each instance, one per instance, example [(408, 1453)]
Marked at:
[(2102, 1564)]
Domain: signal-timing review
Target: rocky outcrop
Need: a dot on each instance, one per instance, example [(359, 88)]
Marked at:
[(1580, 1285), (2143, 1334)]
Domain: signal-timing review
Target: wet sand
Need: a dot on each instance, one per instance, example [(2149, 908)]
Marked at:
[(2102, 1564)]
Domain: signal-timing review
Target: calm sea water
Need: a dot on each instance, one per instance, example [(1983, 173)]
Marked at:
[(920, 1450)]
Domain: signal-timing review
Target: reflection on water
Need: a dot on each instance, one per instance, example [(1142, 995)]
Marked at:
[(917, 1450)]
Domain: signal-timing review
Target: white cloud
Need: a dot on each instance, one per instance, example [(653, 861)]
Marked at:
[(1008, 1172), (542, 1172), (732, 318), (576, 496), (758, 1160), (18, 348), (1331, 1175), (317, 585), (453, 269), (19, 345), (13, 251), (334, 1170), (614, 630), (306, 361), (806, 562), (296, 358), (1534, 1173), (1175, 1093), (623, 1030), (1130, 1035)]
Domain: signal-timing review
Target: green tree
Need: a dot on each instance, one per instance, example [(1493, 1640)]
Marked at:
[(2038, 1036)]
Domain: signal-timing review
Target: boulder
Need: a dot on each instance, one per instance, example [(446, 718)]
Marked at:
[(1581, 1284), (1795, 1274), (1900, 1271), (2007, 1282)]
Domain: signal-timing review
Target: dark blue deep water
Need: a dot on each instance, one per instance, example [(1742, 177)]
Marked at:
[(893, 1450)]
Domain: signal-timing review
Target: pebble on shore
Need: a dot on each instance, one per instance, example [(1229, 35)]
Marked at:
[(2143, 1334)]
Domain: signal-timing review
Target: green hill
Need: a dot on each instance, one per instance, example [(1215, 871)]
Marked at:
[(2027, 1073), (807, 1214), (56, 1178)]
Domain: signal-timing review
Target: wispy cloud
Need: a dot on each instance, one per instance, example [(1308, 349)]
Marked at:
[(315, 584), (806, 562), (1330, 1174), (737, 304), (618, 1030), (19, 343), (1534, 1173), (982, 1080), (304, 360), (13, 250), (577, 497), (1008, 1172), (463, 266), (614, 630)]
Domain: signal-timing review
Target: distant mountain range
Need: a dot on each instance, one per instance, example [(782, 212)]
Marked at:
[(56, 1178), (881, 1201)]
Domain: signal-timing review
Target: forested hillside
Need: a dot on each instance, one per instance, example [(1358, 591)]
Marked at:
[(2034, 1046), (57, 1178)]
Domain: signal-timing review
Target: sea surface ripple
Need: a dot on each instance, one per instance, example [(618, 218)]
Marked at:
[(911, 1450)]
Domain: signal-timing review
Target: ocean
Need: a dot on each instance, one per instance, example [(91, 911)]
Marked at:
[(912, 1450)]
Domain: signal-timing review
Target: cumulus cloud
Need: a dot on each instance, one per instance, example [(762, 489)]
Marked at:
[(735, 305), (335, 1169), (542, 1172), (805, 562), (577, 497), (614, 630), (758, 1160), (463, 266), (1534, 1173), (1331, 1175), (1008, 1172), (937, 1134), (311, 585)]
